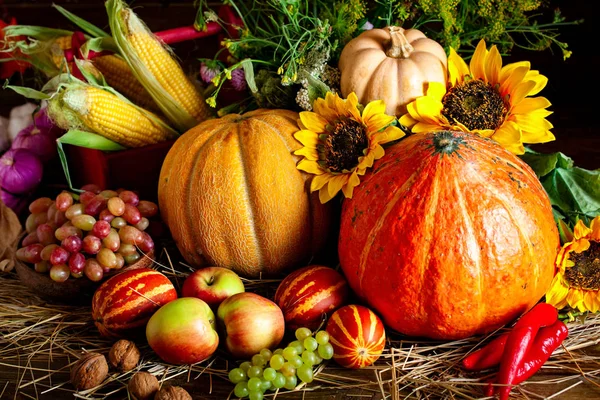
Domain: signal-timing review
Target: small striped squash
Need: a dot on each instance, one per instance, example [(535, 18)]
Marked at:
[(231, 195), (123, 304), (448, 236), (309, 294), (357, 336)]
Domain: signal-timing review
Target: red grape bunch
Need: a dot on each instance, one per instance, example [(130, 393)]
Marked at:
[(90, 234)]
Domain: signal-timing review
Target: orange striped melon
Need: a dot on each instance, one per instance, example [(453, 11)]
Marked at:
[(357, 336), (231, 195), (123, 304), (309, 294)]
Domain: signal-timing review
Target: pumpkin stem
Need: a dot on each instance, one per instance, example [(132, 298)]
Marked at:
[(398, 46)]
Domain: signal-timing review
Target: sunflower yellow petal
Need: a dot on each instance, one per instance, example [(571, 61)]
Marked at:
[(335, 184), (590, 300), (422, 127), (313, 121), (557, 293), (324, 195), (307, 138), (457, 67), (484, 132), (352, 105), (310, 166), (390, 134), (319, 181), (530, 122), (372, 109), (436, 90), (429, 109), (407, 120), (509, 68), (581, 231), (508, 136), (539, 136), (521, 91), (378, 152), (378, 122), (539, 79), (575, 299), (366, 161), (348, 188), (595, 228), (529, 104), (308, 153), (493, 65), (477, 65), (513, 80), (321, 107)]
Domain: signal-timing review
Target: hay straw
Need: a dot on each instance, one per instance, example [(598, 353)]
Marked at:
[(40, 341)]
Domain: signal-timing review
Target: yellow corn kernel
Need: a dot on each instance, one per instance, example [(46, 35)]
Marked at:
[(106, 114), (118, 75), (169, 74)]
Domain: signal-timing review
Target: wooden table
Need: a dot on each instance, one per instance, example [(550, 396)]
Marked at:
[(571, 83)]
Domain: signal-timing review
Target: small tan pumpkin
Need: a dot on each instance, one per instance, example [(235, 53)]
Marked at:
[(231, 195), (391, 64)]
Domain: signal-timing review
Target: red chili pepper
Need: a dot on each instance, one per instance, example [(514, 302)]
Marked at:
[(519, 342), (487, 356), (547, 340)]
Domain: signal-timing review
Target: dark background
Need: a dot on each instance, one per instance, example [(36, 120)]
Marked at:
[(573, 87)]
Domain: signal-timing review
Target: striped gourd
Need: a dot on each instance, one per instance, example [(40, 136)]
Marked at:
[(308, 294), (106, 114), (156, 68), (119, 76), (357, 336), (123, 304)]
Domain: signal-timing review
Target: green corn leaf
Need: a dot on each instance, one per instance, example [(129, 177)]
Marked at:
[(35, 32), (27, 92), (89, 140), (85, 26), (100, 44)]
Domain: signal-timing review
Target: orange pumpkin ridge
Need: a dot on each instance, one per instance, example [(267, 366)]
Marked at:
[(448, 236), (233, 197)]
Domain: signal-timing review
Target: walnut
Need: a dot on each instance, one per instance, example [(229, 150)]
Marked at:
[(169, 392), (89, 371), (124, 355), (143, 386)]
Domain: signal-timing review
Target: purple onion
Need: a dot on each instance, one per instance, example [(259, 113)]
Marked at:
[(40, 141), (16, 203), (20, 171), (45, 124)]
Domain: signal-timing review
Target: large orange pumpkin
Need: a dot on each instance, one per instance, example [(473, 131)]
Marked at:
[(448, 236), (232, 196)]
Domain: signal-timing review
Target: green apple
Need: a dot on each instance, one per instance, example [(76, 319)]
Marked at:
[(212, 284), (250, 323), (183, 331)]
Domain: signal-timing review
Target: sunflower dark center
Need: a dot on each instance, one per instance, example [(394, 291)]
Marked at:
[(585, 274), (345, 143), (475, 104)]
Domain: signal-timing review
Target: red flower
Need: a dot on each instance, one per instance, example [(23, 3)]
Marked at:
[(8, 68)]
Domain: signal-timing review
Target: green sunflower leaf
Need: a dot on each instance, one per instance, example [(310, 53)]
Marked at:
[(574, 192)]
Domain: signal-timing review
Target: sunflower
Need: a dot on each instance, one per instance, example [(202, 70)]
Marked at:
[(487, 99), (577, 282), (340, 142)]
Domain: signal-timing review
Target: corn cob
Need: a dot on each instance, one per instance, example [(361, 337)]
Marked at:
[(118, 75), (156, 69), (108, 115)]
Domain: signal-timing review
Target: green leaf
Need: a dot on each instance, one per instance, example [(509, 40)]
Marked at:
[(90, 140), (86, 26), (27, 92), (100, 44), (574, 192), (35, 32), (249, 75)]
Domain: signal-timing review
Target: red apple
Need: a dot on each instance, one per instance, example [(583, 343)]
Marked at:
[(183, 331), (212, 284), (250, 323)]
